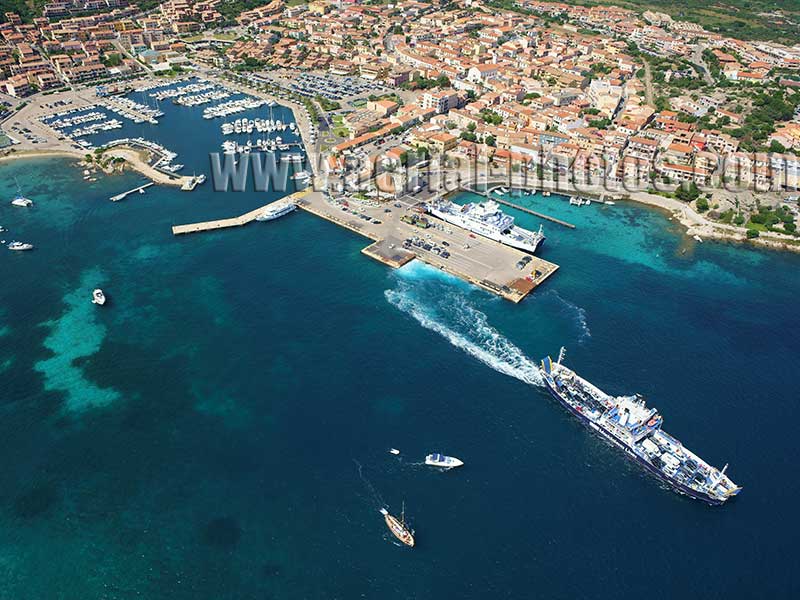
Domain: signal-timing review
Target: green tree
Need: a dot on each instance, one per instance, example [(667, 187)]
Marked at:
[(688, 193)]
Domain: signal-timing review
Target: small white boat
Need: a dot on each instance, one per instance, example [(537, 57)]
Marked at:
[(22, 201), (19, 246), (697, 238), (609, 202), (440, 460), (98, 297), (394, 451)]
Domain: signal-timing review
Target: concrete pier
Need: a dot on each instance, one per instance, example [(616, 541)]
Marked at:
[(124, 195), (244, 219), (534, 213)]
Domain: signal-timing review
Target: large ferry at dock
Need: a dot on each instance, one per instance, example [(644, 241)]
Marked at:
[(486, 219), (630, 425)]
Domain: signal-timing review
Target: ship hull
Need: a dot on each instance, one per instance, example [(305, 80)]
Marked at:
[(675, 486)]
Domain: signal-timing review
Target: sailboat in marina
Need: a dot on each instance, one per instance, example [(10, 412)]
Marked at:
[(398, 527)]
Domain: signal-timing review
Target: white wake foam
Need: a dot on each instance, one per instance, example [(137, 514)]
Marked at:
[(579, 315), (471, 333)]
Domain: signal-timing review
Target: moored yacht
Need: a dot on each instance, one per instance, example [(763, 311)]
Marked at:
[(276, 210)]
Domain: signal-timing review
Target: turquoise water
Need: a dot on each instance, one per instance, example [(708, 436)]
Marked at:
[(219, 429)]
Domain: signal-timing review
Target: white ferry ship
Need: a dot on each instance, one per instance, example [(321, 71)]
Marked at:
[(629, 424), (486, 219)]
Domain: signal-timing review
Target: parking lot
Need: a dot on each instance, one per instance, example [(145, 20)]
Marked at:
[(333, 87)]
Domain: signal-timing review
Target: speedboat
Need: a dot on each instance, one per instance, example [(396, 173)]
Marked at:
[(98, 297), (440, 460), (20, 246), (394, 451)]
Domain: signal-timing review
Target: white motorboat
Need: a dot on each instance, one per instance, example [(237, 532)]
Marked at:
[(98, 297), (440, 460), (19, 246), (394, 451), (22, 201)]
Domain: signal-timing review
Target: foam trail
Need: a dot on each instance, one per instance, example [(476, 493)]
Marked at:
[(580, 316), (481, 340), (376, 497)]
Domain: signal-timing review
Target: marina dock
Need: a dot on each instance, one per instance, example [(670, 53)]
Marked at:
[(239, 221), (135, 190), (534, 213)]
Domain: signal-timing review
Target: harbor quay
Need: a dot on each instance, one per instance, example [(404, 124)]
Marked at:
[(502, 270)]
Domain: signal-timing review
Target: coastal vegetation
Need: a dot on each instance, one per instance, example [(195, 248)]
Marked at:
[(742, 19), (424, 83), (773, 219)]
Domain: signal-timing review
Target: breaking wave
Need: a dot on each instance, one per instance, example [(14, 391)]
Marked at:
[(450, 314)]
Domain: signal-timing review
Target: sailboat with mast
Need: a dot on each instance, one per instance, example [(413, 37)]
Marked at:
[(398, 527)]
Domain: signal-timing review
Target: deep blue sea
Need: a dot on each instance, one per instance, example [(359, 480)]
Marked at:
[(219, 430)]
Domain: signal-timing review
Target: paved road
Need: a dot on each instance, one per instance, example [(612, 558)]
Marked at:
[(697, 58)]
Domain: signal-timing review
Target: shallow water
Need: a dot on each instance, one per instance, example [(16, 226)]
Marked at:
[(220, 429)]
